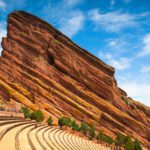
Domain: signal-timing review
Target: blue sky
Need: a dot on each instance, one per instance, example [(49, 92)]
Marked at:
[(116, 31)]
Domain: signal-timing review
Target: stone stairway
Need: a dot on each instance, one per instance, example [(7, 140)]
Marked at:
[(20, 134)]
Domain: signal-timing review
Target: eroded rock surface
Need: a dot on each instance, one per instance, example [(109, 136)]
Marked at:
[(41, 68)]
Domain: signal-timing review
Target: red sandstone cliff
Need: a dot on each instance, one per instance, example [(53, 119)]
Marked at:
[(41, 68)]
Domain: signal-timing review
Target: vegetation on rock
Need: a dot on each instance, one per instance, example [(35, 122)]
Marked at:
[(103, 137), (84, 128), (137, 145), (62, 122), (92, 132), (49, 121), (128, 145), (120, 139), (68, 122), (26, 112), (37, 115), (75, 126)]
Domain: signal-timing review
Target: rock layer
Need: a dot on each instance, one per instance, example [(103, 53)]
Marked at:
[(42, 68)]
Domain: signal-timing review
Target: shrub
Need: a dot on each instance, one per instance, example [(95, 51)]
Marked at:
[(26, 112), (102, 137), (75, 126), (37, 115), (137, 145), (62, 121), (49, 121), (128, 144), (91, 132), (68, 122), (84, 127), (120, 139), (108, 139)]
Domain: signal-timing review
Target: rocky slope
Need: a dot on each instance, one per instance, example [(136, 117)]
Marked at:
[(41, 68)]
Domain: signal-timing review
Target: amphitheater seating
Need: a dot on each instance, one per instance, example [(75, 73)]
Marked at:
[(20, 134)]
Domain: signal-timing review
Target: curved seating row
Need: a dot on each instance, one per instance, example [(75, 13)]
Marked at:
[(19, 134)]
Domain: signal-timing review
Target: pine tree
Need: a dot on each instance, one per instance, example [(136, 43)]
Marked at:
[(128, 144), (100, 136), (92, 132), (26, 112), (49, 121), (61, 122), (137, 145), (84, 127), (37, 115), (120, 139), (75, 126), (68, 122)]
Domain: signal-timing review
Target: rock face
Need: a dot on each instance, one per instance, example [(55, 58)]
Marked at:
[(41, 68)]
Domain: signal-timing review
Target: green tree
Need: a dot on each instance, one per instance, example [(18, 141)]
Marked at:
[(120, 139), (75, 126), (103, 137), (68, 122), (91, 132), (108, 139), (99, 137), (37, 115), (49, 121), (26, 112), (84, 128), (137, 145), (62, 122), (128, 144)]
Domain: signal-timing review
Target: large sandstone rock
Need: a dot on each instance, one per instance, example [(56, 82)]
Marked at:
[(41, 68)]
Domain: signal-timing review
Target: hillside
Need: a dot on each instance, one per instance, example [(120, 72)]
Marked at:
[(42, 68)]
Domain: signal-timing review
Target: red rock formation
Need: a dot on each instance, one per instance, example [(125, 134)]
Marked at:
[(41, 68)]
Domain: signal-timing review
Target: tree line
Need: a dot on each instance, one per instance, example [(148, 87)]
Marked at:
[(86, 129)]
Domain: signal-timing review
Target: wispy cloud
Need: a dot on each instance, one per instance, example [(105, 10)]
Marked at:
[(2, 5), (119, 45), (146, 46), (112, 21), (2, 33), (137, 88), (73, 25), (115, 21), (145, 69), (121, 63), (72, 3), (66, 16)]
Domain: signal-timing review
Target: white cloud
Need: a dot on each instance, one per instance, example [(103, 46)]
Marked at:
[(116, 53), (71, 3), (120, 63), (73, 25), (120, 46), (112, 43), (112, 21), (136, 90), (2, 33), (146, 47), (66, 17), (145, 69), (103, 55), (2, 5)]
